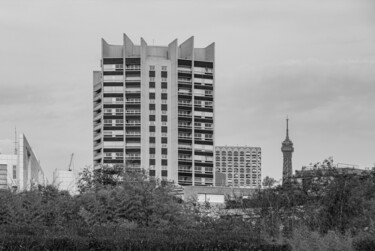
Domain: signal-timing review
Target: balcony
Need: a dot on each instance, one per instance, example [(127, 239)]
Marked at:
[(184, 103), (98, 136), (185, 181), (132, 79), (138, 123), (133, 101), (98, 146), (97, 106), (184, 69), (184, 114), (184, 92), (184, 80), (97, 126), (97, 96), (133, 90), (135, 134), (97, 117), (133, 145), (133, 157), (137, 112), (184, 147), (184, 137), (133, 68), (184, 158), (98, 156), (184, 170), (184, 126)]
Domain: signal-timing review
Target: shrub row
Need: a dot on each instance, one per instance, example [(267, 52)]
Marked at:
[(135, 239)]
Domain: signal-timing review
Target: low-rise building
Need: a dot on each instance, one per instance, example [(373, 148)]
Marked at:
[(21, 170)]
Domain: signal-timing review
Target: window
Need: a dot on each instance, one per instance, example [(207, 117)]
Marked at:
[(14, 172), (152, 67)]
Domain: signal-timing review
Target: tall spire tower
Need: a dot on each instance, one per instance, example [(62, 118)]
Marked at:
[(287, 149)]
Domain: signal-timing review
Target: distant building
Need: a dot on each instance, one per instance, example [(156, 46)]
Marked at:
[(154, 110), (241, 166), (65, 180), (327, 167), (216, 195), (21, 170), (287, 150)]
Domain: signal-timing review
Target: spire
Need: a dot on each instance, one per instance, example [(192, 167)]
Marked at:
[(15, 140), (287, 127)]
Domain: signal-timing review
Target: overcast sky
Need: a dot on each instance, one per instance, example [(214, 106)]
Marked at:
[(313, 60)]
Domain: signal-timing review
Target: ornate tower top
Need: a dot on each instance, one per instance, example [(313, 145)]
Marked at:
[(287, 150)]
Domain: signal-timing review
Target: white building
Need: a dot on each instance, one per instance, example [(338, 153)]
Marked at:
[(65, 180), (22, 170)]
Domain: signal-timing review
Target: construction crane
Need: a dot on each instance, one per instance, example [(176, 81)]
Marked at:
[(71, 162)]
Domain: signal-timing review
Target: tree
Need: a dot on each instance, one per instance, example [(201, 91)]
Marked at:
[(94, 178), (268, 182)]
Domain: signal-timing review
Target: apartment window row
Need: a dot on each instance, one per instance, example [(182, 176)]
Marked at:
[(153, 134), (235, 153), (152, 79), (163, 123), (163, 101), (114, 110), (153, 68), (113, 67), (113, 121)]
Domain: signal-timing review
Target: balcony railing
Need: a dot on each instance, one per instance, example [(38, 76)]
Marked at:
[(183, 114), (132, 90), (132, 111), (184, 80), (184, 170), (133, 134), (184, 126), (184, 103), (184, 92), (184, 69), (184, 137), (133, 123), (184, 147), (133, 101), (184, 158)]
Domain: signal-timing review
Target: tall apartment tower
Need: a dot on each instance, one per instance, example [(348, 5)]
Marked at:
[(242, 166), (154, 110), (287, 150)]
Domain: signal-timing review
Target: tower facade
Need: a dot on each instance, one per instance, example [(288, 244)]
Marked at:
[(287, 150), (154, 110)]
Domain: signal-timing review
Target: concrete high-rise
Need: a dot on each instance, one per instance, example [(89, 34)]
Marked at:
[(287, 150), (241, 165), (154, 110)]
